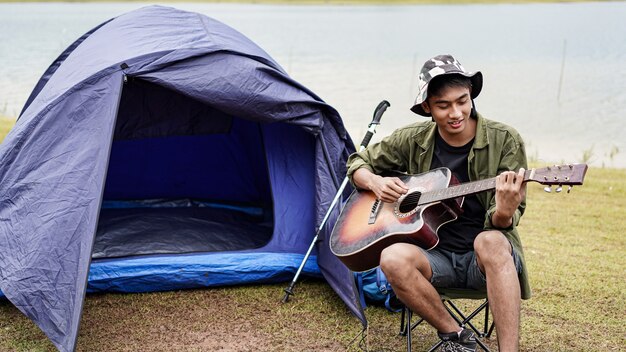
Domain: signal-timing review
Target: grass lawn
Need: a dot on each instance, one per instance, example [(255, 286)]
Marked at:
[(574, 247)]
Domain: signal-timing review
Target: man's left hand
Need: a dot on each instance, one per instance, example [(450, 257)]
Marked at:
[(510, 191)]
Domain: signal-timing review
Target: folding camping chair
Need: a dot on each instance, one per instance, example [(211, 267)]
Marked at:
[(447, 295)]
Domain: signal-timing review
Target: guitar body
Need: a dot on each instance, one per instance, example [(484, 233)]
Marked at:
[(366, 226)]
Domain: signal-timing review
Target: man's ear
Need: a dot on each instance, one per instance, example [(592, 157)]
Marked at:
[(426, 107)]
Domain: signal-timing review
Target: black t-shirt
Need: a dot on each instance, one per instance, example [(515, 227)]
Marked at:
[(458, 236)]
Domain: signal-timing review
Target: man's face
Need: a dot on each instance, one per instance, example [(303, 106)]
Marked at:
[(451, 112)]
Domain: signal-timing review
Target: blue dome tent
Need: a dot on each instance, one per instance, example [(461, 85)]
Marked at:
[(164, 150)]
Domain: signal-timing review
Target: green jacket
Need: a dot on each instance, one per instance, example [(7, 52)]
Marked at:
[(497, 148)]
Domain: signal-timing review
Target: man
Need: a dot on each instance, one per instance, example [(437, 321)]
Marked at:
[(481, 250)]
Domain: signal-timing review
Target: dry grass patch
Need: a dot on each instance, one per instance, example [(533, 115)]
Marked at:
[(5, 126)]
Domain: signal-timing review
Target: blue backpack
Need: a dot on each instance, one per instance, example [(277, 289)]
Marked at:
[(374, 288)]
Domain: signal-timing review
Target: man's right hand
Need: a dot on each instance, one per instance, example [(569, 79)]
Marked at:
[(387, 189)]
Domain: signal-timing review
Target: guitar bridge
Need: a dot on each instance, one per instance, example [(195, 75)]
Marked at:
[(375, 210)]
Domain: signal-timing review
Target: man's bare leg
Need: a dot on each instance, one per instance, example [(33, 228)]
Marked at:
[(493, 254), (408, 271)]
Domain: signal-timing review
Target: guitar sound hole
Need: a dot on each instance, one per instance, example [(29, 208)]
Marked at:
[(409, 203)]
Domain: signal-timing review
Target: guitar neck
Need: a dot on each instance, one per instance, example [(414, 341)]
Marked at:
[(461, 190)]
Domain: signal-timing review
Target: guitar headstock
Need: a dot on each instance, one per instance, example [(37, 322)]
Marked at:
[(568, 175)]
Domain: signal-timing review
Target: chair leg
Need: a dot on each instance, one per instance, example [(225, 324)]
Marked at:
[(466, 320), (417, 323), (486, 325), (482, 345), (406, 325), (402, 321), (488, 329), (493, 325), (407, 328)]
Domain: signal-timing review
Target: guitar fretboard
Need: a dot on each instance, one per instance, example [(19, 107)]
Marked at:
[(461, 190), (456, 191)]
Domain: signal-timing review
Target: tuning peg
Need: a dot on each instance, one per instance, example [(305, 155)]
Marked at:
[(569, 189), (559, 189), (548, 189)]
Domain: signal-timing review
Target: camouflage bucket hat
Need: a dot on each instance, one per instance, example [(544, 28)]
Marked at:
[(443, 65)]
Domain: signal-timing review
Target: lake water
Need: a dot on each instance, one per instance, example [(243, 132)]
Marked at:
[(555, 72)]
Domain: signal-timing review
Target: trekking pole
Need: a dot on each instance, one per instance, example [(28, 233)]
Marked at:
[(378, 113)]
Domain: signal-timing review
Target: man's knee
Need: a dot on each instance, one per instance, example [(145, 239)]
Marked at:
[(491, 241), (492, 247), (394, 259), (400, 259)]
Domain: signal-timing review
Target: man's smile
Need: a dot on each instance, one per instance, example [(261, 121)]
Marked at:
[(456, 123)]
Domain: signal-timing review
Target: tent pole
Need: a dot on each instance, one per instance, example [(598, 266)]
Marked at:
[(378, 113)]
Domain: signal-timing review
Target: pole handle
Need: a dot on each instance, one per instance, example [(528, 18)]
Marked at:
[(378, 114)]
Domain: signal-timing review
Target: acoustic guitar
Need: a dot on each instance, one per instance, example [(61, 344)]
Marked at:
[(368, 225)]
